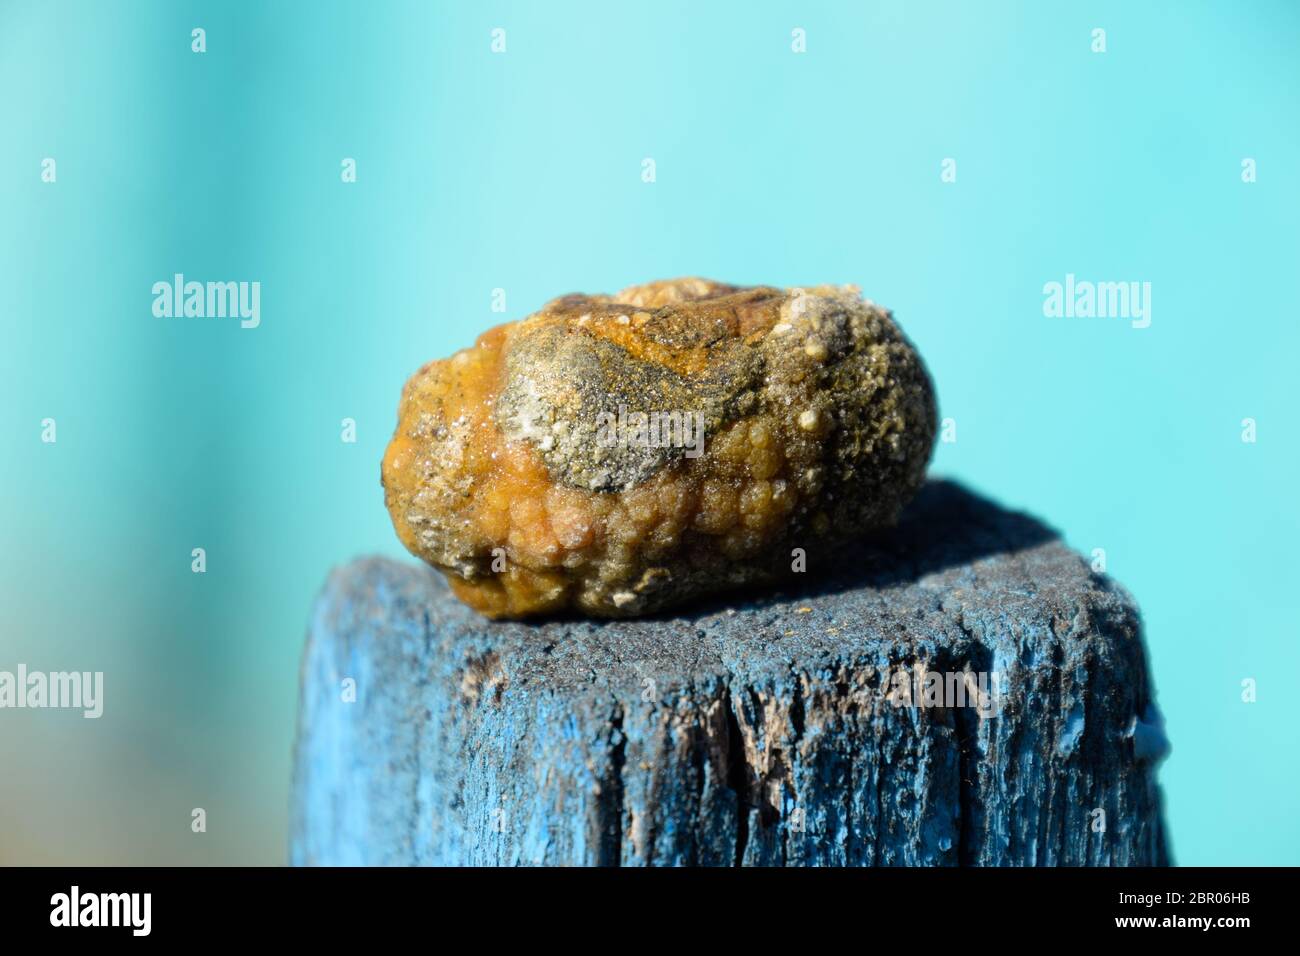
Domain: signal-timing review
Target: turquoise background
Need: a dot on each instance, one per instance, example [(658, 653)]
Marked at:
[(523, 171)]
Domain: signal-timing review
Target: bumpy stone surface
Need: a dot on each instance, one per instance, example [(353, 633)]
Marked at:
[(752, 734), (772, 420)]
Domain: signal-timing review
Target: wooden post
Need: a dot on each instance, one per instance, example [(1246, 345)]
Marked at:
[(798, 729)]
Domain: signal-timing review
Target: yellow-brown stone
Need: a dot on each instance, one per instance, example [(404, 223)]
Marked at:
[(622, 454)]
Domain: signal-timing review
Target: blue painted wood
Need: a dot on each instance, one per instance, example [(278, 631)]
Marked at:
[(758, 732)]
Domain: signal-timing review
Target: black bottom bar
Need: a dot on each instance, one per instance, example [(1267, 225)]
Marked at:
[(336, 906)]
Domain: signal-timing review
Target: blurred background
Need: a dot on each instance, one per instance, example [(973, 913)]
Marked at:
[(522, 171)]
